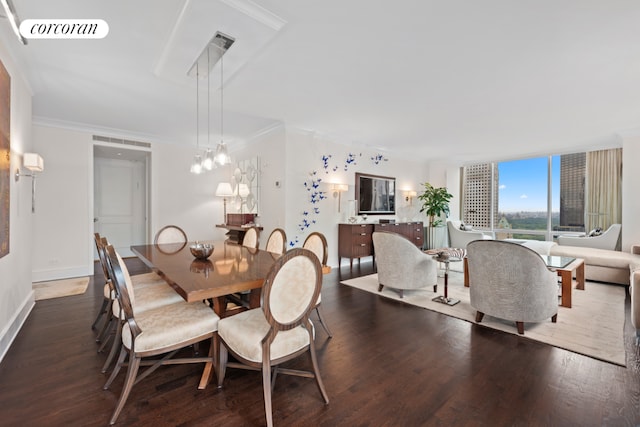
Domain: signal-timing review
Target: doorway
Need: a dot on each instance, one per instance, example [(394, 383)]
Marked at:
[(121, 196)]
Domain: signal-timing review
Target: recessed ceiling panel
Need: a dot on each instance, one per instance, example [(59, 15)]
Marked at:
[(250, 25)]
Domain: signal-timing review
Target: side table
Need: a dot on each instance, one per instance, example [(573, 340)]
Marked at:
[(445, 258)]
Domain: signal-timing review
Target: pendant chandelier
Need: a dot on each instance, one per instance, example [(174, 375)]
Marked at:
[(214, 51), (222, 155), (196, 165)]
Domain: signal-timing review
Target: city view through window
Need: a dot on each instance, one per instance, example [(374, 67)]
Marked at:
[(512, 198)]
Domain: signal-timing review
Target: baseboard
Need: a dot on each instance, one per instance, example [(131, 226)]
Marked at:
[(62, 273), (10, 332)]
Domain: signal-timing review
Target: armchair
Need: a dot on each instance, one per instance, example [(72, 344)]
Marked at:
[(460, 239), (401, 265), (610, 239), (511, 282)]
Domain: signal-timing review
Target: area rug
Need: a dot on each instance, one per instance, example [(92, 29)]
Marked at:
[(594, 326), (60, 288)]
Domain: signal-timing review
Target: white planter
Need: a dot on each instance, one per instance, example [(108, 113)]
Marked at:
[(436, 237)]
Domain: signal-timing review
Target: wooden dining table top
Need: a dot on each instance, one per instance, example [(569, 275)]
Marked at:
[(231, 268)]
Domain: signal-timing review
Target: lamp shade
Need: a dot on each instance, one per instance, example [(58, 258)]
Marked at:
[(224, 190), (33, 162), (340, 187)]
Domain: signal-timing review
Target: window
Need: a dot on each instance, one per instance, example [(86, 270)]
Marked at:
[(527, 198)]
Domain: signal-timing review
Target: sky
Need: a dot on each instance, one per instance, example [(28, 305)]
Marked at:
[(523, 185)]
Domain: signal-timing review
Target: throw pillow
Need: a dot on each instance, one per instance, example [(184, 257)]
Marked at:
[(595, 232)]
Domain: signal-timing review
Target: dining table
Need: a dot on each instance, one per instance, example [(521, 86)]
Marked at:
[(230, 269)]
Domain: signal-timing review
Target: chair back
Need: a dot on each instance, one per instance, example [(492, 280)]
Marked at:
[(250, 239), (291, 289), (510, 281), (101, 255), (277, 242), (170, 234), (121, 280), (317, 243)]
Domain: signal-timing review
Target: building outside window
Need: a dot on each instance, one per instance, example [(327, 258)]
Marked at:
[(526, 199)]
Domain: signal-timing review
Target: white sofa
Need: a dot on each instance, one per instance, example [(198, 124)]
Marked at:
[(634, 290), (461, 238), (610, 239), (601, 264)]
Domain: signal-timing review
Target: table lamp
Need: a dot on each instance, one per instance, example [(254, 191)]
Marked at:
[(224, 190)]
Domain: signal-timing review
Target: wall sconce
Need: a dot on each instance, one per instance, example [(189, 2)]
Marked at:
[(34, 163), (337, 190), (224, 190), (409, 195)]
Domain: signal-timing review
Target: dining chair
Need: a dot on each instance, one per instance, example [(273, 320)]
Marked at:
[(139, 280), (317, 243), (250, 239), (152, 292), (277, 242), (170, 234), (160, 331), (280, 330)]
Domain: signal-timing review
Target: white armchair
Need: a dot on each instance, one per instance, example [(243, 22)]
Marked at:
[(460, 238), (607, 240), (401, 265), (511, 282)]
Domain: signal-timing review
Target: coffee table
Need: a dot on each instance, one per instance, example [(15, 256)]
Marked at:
[(565, 267)]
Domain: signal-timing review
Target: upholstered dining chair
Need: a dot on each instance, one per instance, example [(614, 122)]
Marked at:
[(317, 243), (280, 330), (401, 265), (139, 280), (277, 242), (152, 292), (511, 282), (170, 234), (250, 239), (163, 330)]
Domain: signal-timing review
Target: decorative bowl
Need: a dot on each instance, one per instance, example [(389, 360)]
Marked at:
[(201, 250)]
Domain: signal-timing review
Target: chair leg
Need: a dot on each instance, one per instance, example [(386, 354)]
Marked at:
[(105, 326), (266, 386), (479, 316), (134, 364), (316, 371), (380, 286), (115, 346), (222, 364), (102, 312), (322, 321), (116, 370), (554, 318), (520, 326)]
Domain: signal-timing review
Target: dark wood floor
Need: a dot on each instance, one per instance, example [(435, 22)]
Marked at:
[(387, 364)]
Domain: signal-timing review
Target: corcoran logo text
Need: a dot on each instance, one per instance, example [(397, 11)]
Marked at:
[(64, 28)]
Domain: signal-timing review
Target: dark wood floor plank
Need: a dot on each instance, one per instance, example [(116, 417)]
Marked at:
[(388, 364)]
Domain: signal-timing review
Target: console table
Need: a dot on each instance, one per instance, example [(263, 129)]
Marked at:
[(355, 241)]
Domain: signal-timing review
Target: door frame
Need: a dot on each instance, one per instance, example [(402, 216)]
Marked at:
[(111, 150)]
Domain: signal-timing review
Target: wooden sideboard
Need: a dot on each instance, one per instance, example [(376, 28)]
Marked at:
[(355, 241)]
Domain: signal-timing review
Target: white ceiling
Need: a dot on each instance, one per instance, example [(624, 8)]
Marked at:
[(461, 79)]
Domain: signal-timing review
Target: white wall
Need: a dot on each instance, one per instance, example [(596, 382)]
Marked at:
[(630, 195), (304, 155), (16, 296), (64, 211)]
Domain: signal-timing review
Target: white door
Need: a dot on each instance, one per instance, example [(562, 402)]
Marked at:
[(120, 202)]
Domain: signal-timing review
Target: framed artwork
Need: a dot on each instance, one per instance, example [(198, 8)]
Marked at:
[(5, 158)]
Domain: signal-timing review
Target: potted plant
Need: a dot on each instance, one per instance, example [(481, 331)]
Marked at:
[(435, 202)]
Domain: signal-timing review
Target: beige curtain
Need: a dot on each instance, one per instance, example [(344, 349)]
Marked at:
[(603, 198)]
